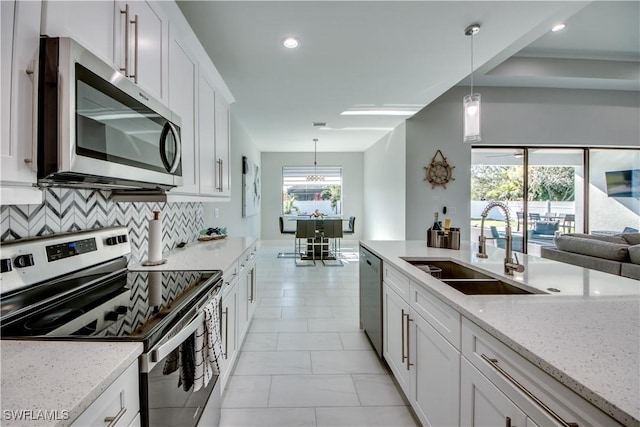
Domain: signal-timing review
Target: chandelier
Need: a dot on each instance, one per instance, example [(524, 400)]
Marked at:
[(472, 101), (315, 177)]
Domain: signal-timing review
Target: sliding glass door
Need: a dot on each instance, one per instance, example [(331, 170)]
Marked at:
[(555, 195), (497, 175), (568, 190), (614, 190)]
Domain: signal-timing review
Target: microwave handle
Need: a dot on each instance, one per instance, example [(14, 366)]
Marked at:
[(170, 166)]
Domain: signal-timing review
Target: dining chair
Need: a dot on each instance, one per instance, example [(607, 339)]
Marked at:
[(568, 223), (332, 232), (305, 230), (352, 225), (533, 218), (282, 230), (520, 218)]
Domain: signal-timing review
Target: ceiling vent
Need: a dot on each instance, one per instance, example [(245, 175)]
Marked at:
[(319, 124)]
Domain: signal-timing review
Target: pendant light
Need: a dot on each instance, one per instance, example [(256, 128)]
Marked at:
[(315, 177), (471, 102)]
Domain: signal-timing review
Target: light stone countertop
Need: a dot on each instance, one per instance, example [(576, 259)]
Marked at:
[(60, 377), (70, 375), (207, 255), (587, 336)]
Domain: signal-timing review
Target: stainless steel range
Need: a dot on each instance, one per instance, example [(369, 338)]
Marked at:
[(76, 286)]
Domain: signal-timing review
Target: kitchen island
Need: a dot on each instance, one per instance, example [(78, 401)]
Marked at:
[(583, 330)]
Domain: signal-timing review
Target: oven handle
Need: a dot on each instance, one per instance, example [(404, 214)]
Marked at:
[(165, 349)]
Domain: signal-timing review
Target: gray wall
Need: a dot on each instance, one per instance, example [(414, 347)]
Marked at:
[(352, 187), (230, 213), (385, 181), (514, 116)]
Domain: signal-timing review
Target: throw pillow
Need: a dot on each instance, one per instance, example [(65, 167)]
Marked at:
[(632, 238), (546, 227), (634, 254), (592, 247)]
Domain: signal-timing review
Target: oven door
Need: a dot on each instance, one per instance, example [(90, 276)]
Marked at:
[(165, 399)]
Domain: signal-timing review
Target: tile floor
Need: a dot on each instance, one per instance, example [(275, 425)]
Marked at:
[(305, 361)]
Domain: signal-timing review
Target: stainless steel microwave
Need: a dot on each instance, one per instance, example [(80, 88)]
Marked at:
[(98, 129)]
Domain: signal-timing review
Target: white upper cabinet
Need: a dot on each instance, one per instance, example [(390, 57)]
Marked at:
[(20, 33), (148, 41), (142, 34), (183, 70), (223, 147), (90, 23), (207, 136)]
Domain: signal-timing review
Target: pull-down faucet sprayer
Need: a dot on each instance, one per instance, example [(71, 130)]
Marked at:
[(509, 265)]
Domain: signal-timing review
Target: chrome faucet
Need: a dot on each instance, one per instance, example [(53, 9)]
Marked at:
[(509, 265)]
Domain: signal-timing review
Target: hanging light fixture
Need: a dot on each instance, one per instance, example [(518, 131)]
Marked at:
[(315, 177), (471, 102)]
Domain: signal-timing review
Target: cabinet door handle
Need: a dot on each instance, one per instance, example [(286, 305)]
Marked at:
[(226, 332), (507, 422), (541, 404), (126, 40), (220, 175), (252, 282), (402, 335), (409, 364), (135, 51), (114, 420)]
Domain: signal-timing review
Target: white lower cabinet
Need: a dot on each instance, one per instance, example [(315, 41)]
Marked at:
[(228, 327), (541, 398), (246, 292), (395, 312), (483, 404), (453, 372), (435, 375), (424, 362), (118, 405)]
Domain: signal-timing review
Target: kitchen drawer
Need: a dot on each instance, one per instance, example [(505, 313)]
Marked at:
[(247, 258), (120, 402), (396, 281), (571, 407), (439, 315)]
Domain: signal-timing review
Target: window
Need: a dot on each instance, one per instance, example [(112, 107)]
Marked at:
[(302, 197), (555, 195)]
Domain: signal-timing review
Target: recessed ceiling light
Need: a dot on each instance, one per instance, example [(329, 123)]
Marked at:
[(291, 42), (558, 27)]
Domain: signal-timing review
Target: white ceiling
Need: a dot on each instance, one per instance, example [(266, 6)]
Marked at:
[(382, 53)]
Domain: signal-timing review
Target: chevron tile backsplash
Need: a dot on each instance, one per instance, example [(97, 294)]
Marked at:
[(72, 210)]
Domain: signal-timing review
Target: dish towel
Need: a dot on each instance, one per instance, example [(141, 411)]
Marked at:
[(208, 345), (187, 362)]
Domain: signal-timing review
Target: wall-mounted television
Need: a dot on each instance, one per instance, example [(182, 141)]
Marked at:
[(623, 183)]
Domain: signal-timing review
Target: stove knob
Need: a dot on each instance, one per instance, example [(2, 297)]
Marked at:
[(111, 315), (122, 238), (23, 261), (122, 309), (111, 241), (6, 264)]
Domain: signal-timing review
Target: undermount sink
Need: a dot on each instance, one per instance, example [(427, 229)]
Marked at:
[(465, 279)]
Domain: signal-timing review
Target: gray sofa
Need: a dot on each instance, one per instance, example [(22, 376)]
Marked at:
[(618, 254)]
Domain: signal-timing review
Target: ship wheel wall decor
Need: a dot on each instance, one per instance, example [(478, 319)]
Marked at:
[(439, 171)]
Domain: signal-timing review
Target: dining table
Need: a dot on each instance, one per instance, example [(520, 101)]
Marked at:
[(318, 247)]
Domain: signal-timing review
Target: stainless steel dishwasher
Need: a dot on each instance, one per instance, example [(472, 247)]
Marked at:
[(371, 298)]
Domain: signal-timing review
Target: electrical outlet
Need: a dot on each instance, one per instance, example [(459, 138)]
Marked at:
[(451, 210), (216, 212)]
